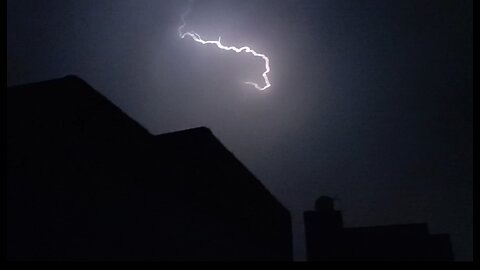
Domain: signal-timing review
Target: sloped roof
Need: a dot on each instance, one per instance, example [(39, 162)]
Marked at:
[(76, 158)]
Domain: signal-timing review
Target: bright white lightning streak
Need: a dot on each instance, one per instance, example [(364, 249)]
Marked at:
[(196, 37)]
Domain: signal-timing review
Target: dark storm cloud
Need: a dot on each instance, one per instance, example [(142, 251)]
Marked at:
[(371, 100)]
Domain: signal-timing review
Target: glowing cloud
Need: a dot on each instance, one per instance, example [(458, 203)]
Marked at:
[(197, 38)]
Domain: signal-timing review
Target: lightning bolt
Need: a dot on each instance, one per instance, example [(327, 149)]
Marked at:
[(197, 38)]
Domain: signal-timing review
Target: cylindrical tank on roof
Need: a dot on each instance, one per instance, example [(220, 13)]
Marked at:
[(324, 204)]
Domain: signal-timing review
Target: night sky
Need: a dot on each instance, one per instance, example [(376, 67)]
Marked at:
[(371, 101)]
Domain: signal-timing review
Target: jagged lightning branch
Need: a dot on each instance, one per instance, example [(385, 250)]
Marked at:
[(196, 37)]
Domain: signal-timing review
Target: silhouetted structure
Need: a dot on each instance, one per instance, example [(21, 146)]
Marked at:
[(86, 182), (328, 240)]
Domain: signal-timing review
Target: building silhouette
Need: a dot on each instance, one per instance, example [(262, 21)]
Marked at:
[(328, 240), (86, 182)]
